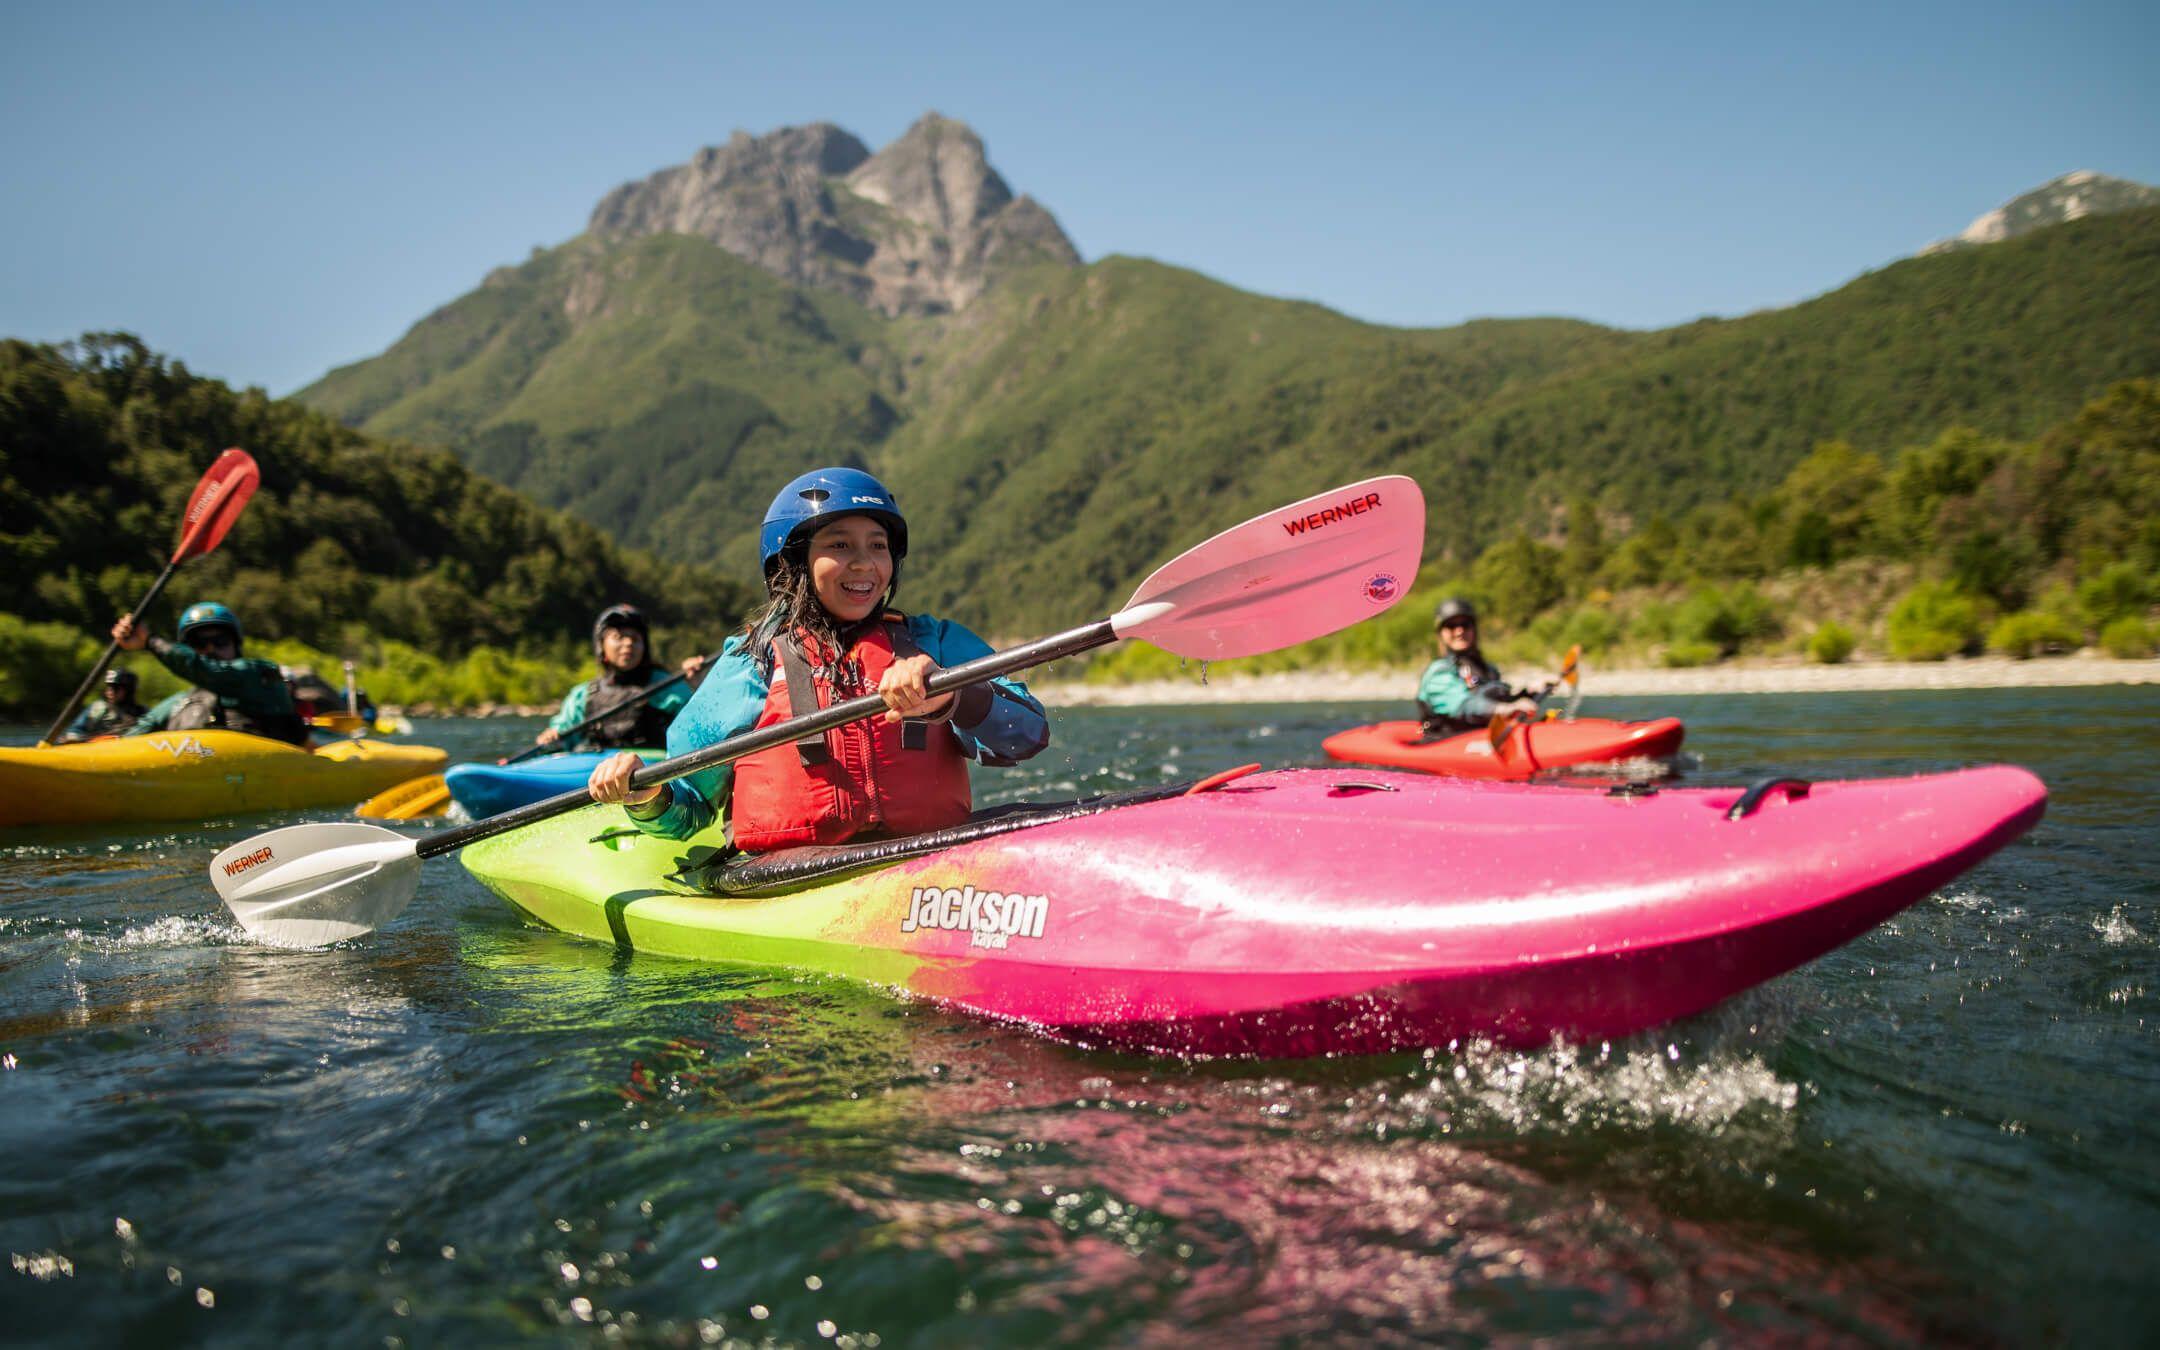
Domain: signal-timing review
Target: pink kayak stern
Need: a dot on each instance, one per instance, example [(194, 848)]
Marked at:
[(1336, 911)]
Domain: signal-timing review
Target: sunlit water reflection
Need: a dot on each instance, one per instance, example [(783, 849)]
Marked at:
[(464, 1129)]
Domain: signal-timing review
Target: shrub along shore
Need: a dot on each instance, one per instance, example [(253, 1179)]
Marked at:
[(1733, 677)]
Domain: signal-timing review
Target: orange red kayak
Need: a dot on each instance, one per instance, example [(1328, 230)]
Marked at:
[(1531, 748)]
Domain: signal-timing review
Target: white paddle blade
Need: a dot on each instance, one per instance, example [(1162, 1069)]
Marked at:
[(312, 885), (1299, 572)]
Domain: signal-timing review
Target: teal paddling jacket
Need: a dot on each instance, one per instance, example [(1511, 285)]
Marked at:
[(247, 685), (1445, 693), (572, 712)]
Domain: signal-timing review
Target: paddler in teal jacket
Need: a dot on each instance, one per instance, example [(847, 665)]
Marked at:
[(232, 692), (111, 715), (1462, 690), (622, 642), (831, 546)]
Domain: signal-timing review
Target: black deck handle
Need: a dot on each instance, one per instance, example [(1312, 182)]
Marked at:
[(1763, 787)]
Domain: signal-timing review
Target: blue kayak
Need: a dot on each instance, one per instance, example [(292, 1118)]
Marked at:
[(489, 789)]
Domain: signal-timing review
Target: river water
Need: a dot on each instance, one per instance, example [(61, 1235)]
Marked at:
[(464, 1130)]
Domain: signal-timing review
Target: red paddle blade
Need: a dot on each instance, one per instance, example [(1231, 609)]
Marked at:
[(219, 497)]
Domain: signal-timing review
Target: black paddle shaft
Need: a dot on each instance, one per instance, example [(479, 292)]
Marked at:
[(157, 588), (570, 737), (1069, 643)]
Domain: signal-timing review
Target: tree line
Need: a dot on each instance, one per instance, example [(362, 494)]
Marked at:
[(350, 543)]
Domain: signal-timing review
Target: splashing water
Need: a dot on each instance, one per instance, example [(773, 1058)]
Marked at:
[(2115, 929)]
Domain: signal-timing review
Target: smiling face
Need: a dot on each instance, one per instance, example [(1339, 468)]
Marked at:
[(851, 567), (1457, 636), (622, 648)]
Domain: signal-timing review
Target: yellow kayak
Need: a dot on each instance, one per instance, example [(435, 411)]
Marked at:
[(192, 775)]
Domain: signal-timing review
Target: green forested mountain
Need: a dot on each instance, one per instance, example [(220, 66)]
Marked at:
[(650, 386), (1075, 426), (1963, 541), (349, 542)]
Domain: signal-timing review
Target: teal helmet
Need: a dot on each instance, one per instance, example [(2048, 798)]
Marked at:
[(209, 614)]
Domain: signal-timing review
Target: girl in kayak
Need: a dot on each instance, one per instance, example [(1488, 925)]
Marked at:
[(111, 715), (232, 692), (1461, 690), (831, 544), (622, 641)]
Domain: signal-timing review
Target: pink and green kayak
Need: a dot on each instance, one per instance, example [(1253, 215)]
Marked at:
[(1302, 912), (1532, 748)]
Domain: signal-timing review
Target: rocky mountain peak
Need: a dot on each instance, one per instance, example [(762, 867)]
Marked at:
[(936, 172), (2070, 197), (921, 227)]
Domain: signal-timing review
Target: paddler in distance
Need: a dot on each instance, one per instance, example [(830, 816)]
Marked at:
[(831, 544), (1461, 690), (111, 715), (622, 643), (232, 692), (314, 696)]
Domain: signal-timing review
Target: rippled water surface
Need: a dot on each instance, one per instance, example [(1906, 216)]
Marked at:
[(464, 1130)]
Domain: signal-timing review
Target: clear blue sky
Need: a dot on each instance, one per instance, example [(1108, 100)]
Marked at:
[(268, 190)]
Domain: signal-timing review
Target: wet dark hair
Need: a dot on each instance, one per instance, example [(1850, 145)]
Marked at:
[(792, 605)]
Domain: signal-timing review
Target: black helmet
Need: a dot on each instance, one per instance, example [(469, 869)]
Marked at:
[(121, 681), (1454, 608), (620, 616)]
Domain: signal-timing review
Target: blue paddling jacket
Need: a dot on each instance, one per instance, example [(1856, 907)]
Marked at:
[(734, 694)]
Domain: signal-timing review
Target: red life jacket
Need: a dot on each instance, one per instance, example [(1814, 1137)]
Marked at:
[(866, 777)]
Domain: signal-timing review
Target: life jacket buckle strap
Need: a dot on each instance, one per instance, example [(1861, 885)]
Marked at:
[(802, 699)]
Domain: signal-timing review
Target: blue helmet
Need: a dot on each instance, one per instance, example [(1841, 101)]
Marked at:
[(823, 495), (209, 614)]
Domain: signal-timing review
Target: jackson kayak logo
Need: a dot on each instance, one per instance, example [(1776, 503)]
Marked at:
[(1381, 588), (1328, 515), (991, 918), (247, 861)]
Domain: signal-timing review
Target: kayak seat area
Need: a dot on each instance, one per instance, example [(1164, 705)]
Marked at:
[(747, 874)]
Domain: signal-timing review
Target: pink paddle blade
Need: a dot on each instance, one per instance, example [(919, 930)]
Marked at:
[(1299, 572)]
